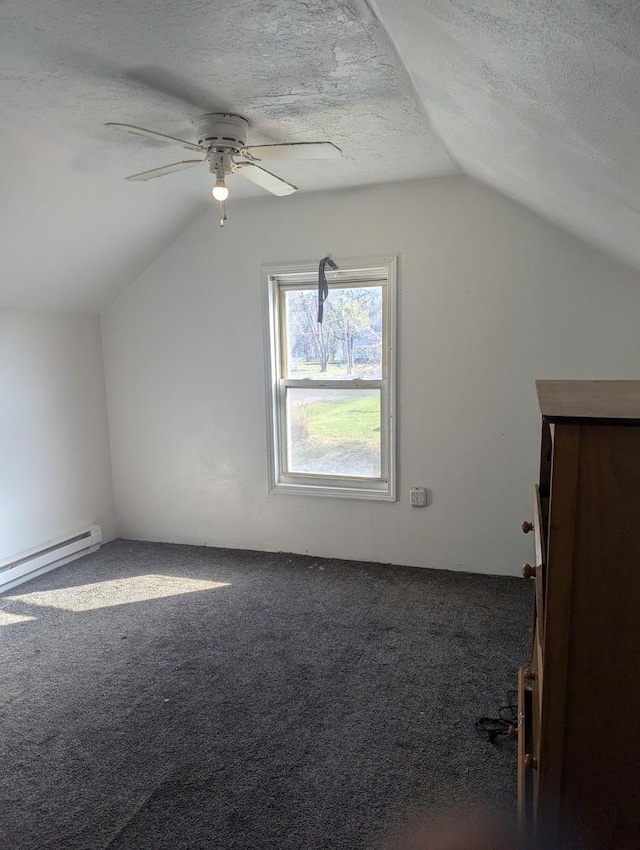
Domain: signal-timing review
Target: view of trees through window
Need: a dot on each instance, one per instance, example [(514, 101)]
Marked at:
[(332, 431), (348, 342)]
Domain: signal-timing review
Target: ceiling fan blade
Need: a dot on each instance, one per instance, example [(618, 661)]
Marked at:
[(140, 131), (165, 169), (265, 179), (294, 150)]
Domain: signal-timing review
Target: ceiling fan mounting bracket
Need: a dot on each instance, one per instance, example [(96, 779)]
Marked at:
[(222, 132)]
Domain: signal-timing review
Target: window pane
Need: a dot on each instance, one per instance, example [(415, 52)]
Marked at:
[(348, 343), (334, 432)]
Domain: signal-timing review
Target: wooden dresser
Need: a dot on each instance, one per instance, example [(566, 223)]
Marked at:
[(579, 701)]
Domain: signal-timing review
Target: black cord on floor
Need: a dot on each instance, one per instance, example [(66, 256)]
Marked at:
[(493, 727)]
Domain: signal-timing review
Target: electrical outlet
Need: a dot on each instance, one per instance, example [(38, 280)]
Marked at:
[(418, 497)]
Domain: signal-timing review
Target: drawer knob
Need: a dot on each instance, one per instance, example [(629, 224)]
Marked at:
[(512, 732), (530, 762), (527, 526), (528, 571), (530, 674)]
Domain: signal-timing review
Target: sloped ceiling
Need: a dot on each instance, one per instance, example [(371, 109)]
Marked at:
[(73, 233), (538, 98)]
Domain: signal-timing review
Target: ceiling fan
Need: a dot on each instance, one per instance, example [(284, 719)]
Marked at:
[(221, 138)]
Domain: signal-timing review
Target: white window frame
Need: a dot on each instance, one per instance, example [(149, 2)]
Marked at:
[(275, 277)]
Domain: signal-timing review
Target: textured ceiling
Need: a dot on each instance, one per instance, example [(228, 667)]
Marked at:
[(73, 232), (539, 98)]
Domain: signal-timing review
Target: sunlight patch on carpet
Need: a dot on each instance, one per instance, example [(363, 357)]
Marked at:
[(7, 619), (122, 591)]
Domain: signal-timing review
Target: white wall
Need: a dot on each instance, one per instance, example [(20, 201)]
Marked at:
[(55, 474), (490, 298)]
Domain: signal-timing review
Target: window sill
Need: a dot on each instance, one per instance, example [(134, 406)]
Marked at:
[(367, 493)]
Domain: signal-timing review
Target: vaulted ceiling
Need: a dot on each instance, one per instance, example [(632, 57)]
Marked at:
[(539, 99)]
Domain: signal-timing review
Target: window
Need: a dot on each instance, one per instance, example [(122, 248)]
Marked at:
[(331, 386)]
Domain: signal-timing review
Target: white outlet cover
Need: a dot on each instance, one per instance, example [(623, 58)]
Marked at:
[(418, 497)]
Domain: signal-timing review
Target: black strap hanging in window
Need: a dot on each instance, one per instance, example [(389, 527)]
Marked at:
[(323, 286)]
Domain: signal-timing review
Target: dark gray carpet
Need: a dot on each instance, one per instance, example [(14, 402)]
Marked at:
[(307, 703)]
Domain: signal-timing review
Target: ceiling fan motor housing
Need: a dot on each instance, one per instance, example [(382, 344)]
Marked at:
[(221, 131)]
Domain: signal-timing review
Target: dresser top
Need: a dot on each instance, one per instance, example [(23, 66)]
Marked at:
[(589, 400)]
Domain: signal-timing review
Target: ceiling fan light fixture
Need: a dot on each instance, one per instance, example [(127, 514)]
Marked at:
[(220, 191), (222, 140)]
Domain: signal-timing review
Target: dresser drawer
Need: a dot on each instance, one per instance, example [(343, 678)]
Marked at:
[(539, 535), (525, 773), (539, 538), (536, 683), (537, 571)]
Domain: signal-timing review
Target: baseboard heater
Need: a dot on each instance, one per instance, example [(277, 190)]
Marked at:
[(52, 554)]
